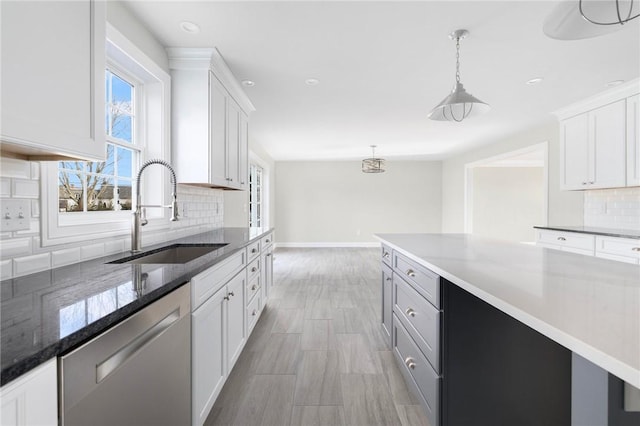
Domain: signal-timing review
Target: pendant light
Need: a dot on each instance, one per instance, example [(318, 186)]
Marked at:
[(459, 104), (580, 19), (373, 164)]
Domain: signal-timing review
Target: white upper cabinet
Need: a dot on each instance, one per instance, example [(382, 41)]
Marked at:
[(633, 141), (210, 120), (53, 67), (599, 141)]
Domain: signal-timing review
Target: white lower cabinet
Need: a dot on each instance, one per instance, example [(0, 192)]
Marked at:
[(33, 398), (606, 247), (207, 356), (228, 300), (620, 249)]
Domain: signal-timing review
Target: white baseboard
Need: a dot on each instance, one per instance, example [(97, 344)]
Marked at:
[(318, 245)]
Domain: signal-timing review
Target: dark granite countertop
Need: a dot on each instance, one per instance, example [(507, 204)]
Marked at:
[(47, 314), (609, 232)]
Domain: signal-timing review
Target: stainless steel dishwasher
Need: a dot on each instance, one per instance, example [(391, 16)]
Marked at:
[(136, 373)]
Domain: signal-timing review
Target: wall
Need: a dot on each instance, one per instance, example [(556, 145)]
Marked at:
[(334, 202), (565, 207), (120, 17), (508, 202), (613, 208)]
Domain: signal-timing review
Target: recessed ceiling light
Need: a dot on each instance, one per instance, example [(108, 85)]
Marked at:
[(535, 81), (189, 27), (248, 83), (615, 83), (312, 81)]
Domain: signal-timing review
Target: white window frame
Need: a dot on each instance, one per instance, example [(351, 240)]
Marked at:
[(153, 101), (266, 188)]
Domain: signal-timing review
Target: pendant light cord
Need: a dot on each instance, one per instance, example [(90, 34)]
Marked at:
[(457, 59)]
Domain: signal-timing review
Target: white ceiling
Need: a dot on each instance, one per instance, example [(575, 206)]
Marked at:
[(382, 66)]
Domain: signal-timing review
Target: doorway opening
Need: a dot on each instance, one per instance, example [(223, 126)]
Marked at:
[(506, 195)]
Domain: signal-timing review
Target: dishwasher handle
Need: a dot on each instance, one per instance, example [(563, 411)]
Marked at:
[(109, 365)]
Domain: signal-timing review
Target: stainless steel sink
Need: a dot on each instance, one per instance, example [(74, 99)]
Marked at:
[(177, 253)]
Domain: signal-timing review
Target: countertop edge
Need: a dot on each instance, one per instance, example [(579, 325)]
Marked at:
[(607, 362), (592, 231)]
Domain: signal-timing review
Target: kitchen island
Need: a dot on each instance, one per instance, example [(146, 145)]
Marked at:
[(587, 305)]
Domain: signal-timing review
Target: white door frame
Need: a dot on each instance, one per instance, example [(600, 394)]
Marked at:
[(468, 180)]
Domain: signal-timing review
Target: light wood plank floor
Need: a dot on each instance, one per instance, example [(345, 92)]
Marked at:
[(317, 355)]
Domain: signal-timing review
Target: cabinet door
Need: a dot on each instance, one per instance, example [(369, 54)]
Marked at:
[(208, 363), (32, 399), (235, 318), (268, 273), (608, 131), (243, 152), (633, 141), (387, 301), (53, 78), (217, 132), (574, 152), (233, 142)]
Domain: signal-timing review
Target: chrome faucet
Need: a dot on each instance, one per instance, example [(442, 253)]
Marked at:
[(139, 215)]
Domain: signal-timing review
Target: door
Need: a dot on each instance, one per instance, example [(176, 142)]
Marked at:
[(609, 146), (235, 318), (217, 132), (207, 355), (233, 142), (633, 141), (575, 152), (243, 152), (387, 301)]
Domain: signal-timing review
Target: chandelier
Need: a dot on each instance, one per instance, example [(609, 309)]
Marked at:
[(373, 164)]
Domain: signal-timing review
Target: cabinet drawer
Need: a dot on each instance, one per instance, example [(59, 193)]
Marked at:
[(622, 249), (253, 312), (253, 269), (208, 282), (386, 254), (417, 371), (420, 318), (253, 250), (423, 280), (267, 240), (569, 240), (253, 287)]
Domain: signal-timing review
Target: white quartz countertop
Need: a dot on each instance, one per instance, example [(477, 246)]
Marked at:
[(587, 304)]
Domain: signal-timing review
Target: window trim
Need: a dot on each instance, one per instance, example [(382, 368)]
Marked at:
[(123, 54)]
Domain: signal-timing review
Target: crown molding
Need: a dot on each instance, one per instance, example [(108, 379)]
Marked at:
[(183, 58)]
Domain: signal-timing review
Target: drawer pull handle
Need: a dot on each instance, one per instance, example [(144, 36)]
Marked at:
[(388, 278), (562, 239), (386, 255), (410, 362), (411, 273), (253, 313), (254, 250), (253, 287), (635, 249), (410, 312), (254, 269), (267, 241)]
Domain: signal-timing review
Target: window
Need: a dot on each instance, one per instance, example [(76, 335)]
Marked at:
[(84, 201), (105, 186), (256, 196)]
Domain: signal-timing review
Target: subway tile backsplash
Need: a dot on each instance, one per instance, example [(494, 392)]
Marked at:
[(200, 209), (613, 208)]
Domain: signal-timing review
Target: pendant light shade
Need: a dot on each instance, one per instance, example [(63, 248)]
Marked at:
[(459, 104), (580, 19), (373, 164)]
